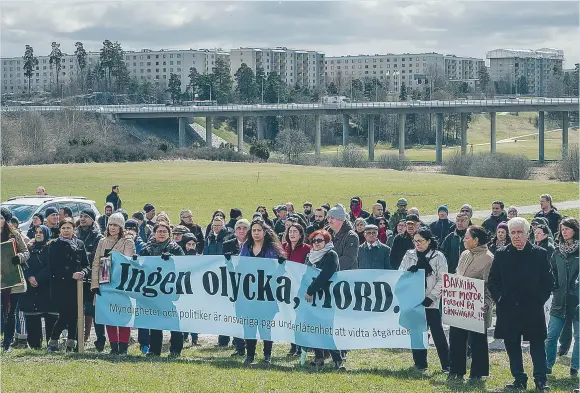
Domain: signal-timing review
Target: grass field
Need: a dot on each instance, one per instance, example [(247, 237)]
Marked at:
[(209, 370), (206, 186)]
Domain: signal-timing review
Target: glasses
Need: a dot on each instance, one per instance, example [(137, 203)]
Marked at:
[(317, 241), (373, 233), (162, 231), (419, 241)]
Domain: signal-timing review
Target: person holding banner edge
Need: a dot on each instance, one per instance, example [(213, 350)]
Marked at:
[(114, 240), (262, 243), (474, 262), (425, 256)]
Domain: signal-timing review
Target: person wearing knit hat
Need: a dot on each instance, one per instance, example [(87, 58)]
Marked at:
[(356, 209), (150, 216), (178, 232), (386, 212), (117, 219), (145, 230), (6, 214), (443, 226), (52, 219), (325, 206), (501, 238), (345, 240), (467, 209), (132, 231), (512, 212)]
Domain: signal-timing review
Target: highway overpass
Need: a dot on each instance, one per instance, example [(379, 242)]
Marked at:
[(438, 108)]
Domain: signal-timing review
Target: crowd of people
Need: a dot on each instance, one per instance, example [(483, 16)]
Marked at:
[(522, 264)]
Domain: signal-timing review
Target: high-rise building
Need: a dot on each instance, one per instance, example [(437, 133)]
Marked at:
[(537, 66), (155, 66), (394, 69), (295, 67)]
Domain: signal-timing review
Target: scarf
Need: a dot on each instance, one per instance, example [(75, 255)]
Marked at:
[(46, 233), (157, 248), (423, 262), (567, 249), (316, 255), (72, 241), (383, 235), (355, 209), (500, 243)]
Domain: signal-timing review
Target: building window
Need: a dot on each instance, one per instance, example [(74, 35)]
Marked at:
[(178, 62), (148, 63)]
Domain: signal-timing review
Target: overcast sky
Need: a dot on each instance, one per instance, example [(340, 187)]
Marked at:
[(467, 28)]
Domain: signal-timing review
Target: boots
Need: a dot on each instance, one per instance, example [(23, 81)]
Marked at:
[(88, 324), (52, 346), (123, 349), (114, 348), (71, 345)]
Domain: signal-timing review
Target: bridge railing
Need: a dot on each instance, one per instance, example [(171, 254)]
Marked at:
[(148, 108)]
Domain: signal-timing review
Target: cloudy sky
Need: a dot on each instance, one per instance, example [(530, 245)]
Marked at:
[(465, 28)]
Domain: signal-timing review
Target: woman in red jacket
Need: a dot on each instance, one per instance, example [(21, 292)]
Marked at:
[(296, 250)]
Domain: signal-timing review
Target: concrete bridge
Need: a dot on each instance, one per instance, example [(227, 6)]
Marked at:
[(372, 109)]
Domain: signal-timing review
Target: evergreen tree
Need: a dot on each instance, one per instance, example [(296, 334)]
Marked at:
[(30, 63)]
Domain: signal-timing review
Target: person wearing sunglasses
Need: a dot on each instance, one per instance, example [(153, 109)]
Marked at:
[(324, 258), (426, 257)]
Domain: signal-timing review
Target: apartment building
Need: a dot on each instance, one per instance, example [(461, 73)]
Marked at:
[(537, 66), (394, 69), (296, 67), (155, 66)]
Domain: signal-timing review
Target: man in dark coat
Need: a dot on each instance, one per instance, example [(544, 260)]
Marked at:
[(443, 226), (104, 219), (318, 223), (541, 239), (345, 240), (404, 242), (453, 246), (114, 198), (497, 215), (520, 282), (235, 215), (186, 219), (549, 212)]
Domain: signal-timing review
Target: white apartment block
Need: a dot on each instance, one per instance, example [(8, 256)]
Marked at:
[(394, 69), (296, 67), (536, 65), (155, 66)]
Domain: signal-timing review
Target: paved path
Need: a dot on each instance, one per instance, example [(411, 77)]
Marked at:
[(216, 141), (529, 209)]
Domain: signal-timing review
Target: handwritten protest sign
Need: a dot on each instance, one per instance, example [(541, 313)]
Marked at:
[(463, 300)]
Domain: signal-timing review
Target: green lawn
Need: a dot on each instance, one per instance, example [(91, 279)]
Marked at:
[(205, 186), (209, 370)]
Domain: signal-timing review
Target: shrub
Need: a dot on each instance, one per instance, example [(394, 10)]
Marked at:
[(497, 165), (392, 161), (293, 144), (260, 149), (350, 157), (568, 168)]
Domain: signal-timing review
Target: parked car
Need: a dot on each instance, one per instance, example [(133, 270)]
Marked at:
[(24, 207)]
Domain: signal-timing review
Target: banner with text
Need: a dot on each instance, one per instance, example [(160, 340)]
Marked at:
[(463, 299), (260, 298)]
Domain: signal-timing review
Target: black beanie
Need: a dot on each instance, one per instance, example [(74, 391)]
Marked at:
[(235, 213), (7, 214), (90, 213)]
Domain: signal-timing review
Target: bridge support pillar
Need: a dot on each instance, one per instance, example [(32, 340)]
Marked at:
[(286, 122), (260, 122), (541, 136), (182, 122), (345, 129), (402, 135), (439, 138), (463, 134), (241, 134), (492, 136), (371, 137), (317, 133), (208, 132), (564, 135)]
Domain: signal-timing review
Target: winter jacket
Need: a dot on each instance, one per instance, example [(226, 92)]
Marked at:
[(452, 248), (363, 214), (476, 263), (37, 299), (401, 244), (151, 251), (520, 283), (280, 228), (64, 259), (441, 228), (346, 246), (214, 244), (31, 232), (553, 217), (115, 199), (376, 257), (432, 281), (328, 265), (22, 253), (103, 221), (139, 244), (269, 253), (125, 246), (198, 233), (298, 254), (565, 271), (54, 232), (396, 217), (90, 238), (547, 245), (145, 231), (231, 247), (313, 228), (490, 223)]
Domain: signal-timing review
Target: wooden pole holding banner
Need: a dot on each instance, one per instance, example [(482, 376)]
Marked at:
[(81, 317)]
